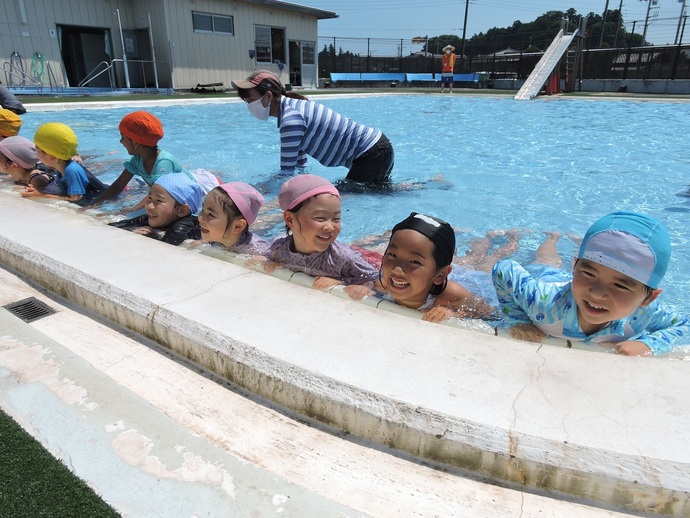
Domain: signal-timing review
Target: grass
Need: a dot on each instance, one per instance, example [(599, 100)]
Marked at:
[(34, 484)]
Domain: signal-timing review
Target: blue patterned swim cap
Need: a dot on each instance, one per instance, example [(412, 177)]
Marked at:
[(633, 244), (185, 190)]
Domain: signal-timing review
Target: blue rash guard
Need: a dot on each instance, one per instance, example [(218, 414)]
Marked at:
[(550, 307), (310, 128)]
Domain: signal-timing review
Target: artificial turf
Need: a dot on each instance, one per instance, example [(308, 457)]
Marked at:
[(35, 484)]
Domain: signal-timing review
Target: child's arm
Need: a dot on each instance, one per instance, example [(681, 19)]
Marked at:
[(115, 188), (31, 192), (463, 302), (660, 330), (517, 291)]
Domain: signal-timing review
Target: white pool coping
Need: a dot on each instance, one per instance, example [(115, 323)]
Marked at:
[(599, 427)]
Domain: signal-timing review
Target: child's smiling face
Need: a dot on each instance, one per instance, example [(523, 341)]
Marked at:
[(213, 220), (161, 208), (316, 225), (409, 270), (603, 295)]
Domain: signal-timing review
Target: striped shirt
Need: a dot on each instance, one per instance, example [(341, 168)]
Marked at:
[(309, 128)]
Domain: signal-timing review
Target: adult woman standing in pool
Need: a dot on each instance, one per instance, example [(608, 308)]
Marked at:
[(309, 128)]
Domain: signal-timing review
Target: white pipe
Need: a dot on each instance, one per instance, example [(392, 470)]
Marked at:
[(153, 52), (124, 53)]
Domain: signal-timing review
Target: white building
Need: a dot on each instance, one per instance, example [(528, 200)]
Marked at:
[(164, 43)]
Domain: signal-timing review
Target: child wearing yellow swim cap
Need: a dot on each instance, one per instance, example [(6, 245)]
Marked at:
[(56, 144)]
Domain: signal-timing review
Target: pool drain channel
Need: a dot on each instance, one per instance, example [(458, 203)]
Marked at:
[(29, 309)]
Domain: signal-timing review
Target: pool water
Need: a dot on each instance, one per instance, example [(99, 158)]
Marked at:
[(479, 163)]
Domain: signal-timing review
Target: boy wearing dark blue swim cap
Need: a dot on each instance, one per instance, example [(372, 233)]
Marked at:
[(611, 298)]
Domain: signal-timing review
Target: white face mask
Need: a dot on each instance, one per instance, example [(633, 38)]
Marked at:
[(258, 110), (448, 52)]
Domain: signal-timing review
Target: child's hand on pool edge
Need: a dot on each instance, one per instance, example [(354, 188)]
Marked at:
[(438, 314), (630, 348), (358, 291), (527, 333), (321, 283)]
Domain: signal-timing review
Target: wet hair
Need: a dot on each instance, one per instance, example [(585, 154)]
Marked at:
[(229, 208), (442, 236)]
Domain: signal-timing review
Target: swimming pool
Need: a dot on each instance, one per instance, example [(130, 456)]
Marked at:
[(539, 166)]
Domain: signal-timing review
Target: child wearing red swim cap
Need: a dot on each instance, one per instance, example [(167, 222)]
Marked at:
[(140, 132)]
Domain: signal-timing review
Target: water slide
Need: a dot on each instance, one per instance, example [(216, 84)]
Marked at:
[(546, 65)]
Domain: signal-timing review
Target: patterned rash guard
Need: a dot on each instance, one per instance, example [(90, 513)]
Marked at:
[(339, 261), (309, 128), (550, 307)]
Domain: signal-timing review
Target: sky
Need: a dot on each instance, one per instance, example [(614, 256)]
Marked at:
[(405, 19)]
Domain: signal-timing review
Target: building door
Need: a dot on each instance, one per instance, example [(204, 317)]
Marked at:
[(303, 63), (83, 51)]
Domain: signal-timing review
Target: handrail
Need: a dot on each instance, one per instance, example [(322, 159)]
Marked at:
[(14, 71), (52, 80), (91, 75)]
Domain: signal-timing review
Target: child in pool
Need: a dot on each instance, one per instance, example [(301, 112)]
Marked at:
[(56, 145), (19, 160), (10, 123), (227, 213), (140, 133), (415, 268), (611, 296), (170, 207), (311, 211)]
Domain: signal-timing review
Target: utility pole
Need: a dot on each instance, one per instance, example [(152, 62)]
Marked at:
[(603, 23), (646, 21), (618, 26), (680, 20), (464, 31)]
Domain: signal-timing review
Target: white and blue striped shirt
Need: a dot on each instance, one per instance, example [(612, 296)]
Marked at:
[(309, 128)]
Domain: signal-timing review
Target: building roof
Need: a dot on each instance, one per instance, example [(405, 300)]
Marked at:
[(320, 14)]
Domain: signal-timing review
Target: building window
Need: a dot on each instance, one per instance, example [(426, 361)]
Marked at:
[(308, 53), (212, 23), (269, 44)]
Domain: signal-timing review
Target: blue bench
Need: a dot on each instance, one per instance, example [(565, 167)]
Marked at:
[(369, 77), (342, 77), (426, 78), (383, 77)]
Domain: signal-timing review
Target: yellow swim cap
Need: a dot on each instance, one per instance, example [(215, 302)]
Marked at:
[(10, 123), (56, 139)]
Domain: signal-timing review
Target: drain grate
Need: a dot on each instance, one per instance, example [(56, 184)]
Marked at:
[(29, 309)]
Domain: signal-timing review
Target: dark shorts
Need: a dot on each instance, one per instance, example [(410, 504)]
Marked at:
[(447, 77), (375, 164)]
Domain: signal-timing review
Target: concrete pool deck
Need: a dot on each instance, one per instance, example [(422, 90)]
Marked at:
[(596, 428)]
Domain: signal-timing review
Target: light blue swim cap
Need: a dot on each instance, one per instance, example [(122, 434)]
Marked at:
[(185, 190), (633, 244)]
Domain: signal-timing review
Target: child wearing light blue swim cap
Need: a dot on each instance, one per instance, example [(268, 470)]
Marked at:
[(171, 207), (611, 298)]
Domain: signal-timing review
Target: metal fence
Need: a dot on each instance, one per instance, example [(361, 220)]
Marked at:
[(402, 56)]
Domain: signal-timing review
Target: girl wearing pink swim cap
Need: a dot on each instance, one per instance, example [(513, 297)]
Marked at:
[(227, 213), (311, 211)]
